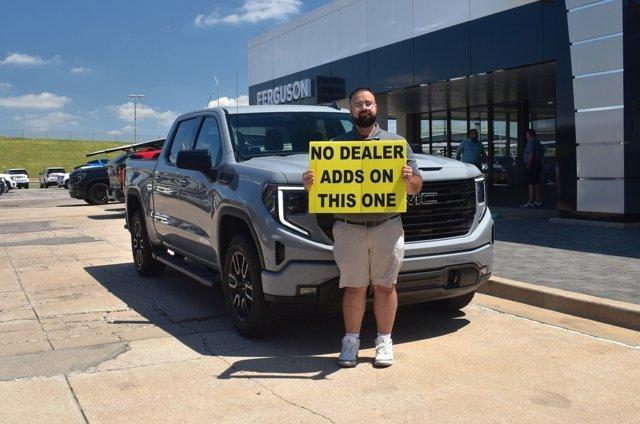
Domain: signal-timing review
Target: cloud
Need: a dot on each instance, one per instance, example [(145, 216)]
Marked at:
[(49, 120), (23, 59), (43, 100), (114, 132), (253, 11), (5, 86), (242, 100), (80, 70), (125, 112)]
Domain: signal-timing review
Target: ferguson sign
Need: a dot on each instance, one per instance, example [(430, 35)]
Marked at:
[(285, 93)]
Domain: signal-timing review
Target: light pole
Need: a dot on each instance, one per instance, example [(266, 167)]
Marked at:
[(135, 98)]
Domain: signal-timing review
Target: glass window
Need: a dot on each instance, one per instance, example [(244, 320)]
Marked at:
[(264, 134), (56, 171), (209, 138), (183, 139)]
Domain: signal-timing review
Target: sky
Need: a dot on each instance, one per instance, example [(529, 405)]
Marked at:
[(69, 65)]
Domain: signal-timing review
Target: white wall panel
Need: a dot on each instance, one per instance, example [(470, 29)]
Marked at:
[(349, 30), (286, 53), (600, 196), (432, 15), (600, 126), (598, 91), (481, 8), (315, 45), (261, 59), (595, 21), (600, 160), (597, 56), (389, 21)]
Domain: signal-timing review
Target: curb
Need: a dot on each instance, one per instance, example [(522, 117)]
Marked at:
[(612, 312)]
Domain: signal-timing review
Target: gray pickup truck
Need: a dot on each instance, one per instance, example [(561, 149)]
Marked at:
[(224, 203)]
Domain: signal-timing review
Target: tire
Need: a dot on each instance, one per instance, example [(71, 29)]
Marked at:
[(97, 194), (242, 287), (66, 184), (451, 304), (141, 249), (42, 185)]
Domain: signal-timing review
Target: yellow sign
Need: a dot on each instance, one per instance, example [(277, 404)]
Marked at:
[(357, 176)]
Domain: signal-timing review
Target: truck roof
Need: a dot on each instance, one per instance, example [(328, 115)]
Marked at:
[(278, 108)]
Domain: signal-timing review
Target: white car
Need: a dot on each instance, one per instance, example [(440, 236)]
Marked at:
[(21, 176), (63, 180), (49, 176), (10, 180)]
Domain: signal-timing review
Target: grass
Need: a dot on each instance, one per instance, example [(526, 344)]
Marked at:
[(36, 154)]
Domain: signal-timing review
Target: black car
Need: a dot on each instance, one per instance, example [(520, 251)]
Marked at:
[(91, 183)]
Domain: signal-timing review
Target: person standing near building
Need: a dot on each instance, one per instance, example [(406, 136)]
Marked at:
[(533, 156), (369, 248), (471, 150)]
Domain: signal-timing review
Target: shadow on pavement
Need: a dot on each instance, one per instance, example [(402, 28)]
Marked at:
[(196, 316), (107, 216)]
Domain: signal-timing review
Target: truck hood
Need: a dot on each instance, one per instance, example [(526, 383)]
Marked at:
[(432, 167)]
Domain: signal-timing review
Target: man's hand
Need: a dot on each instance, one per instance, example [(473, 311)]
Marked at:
[(308, 179), (413, 182)]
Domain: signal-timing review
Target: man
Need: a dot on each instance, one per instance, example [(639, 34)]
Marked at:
[(369, 248), (471, 150), (533, 155)]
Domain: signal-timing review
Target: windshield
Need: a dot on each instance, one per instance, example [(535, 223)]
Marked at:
[(286, 133), (56, 171), (17, 171)]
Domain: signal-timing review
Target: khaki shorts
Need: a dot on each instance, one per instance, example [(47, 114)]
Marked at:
[(368, 255)]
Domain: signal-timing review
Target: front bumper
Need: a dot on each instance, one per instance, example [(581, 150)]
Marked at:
[(76, 193), (425, 272)]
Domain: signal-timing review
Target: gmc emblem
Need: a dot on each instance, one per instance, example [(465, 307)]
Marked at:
[(422, 199)]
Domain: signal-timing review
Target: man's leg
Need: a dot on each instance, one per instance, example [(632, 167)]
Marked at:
[(531, 193), (353, 305), (385, 305), (537, 190)]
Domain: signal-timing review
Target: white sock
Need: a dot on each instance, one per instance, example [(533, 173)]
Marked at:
[(384, 337), (353, 335)]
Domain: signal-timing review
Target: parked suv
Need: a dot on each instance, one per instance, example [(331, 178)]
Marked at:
[(224, 202), (20, 176), (49, 176), (91, 182)]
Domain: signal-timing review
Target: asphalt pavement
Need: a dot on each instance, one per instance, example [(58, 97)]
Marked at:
[(84, 339)]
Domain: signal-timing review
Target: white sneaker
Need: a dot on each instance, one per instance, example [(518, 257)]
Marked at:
[(349, 353), (384, 352)]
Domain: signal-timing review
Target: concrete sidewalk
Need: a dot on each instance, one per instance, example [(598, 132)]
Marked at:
[(84, 339), (603, 262)]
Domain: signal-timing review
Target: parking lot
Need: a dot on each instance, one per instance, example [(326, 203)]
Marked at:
[(84, 339)]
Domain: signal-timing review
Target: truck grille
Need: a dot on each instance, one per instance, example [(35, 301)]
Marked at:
[(442, 209)]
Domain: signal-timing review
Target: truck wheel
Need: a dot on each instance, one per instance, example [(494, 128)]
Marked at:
[(242, 286), (66, 184), (141, 249), (451, 304), (97, 194)]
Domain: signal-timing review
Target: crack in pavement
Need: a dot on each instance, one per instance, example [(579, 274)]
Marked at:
[(257, 382)]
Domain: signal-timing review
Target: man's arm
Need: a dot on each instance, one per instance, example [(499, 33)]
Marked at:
[(460, 149)]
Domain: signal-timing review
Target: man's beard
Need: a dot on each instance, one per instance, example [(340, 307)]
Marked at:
[(365, 120)]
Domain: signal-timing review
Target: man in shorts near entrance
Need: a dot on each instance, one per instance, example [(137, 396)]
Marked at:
[(369, 248)]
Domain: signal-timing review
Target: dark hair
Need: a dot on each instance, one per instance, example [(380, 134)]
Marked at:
[(531, 132), (473, 130), (357, 90)]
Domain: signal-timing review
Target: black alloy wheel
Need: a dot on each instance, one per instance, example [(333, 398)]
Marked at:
[(98, 194), (242, 286), (141, 249)]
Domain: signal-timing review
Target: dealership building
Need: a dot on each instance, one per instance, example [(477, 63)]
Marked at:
[(570, 69)]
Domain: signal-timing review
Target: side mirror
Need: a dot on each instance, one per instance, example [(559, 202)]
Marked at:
[(196, 160)]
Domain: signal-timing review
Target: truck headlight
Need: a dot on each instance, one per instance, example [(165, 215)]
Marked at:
[(283, 201), (481, 195), (80, 176)]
